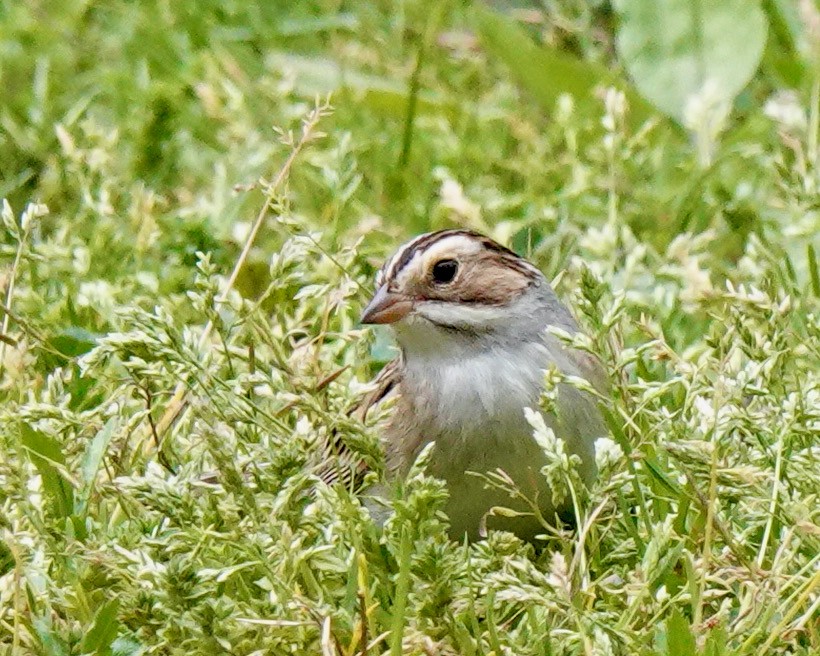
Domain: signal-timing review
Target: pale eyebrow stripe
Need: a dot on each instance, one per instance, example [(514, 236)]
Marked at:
[(405, 255)]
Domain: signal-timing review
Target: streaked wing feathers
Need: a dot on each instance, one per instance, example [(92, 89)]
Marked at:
[(383, 384), (339, 464)]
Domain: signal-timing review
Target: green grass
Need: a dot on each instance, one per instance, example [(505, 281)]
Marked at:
[(134, 362)]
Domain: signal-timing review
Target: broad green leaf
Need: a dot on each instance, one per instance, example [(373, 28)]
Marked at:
[(72, 342), (677, 50), (46, 454), (99, 638), (548, 73), (679, 638), (92, 459)]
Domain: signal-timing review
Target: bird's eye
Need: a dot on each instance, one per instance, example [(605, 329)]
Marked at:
[(444, 271)]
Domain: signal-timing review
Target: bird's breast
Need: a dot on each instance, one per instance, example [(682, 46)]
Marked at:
[(473, 409), (482, 396)]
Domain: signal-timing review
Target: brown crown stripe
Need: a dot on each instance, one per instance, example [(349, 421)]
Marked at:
[(402, 258), (406, 254)]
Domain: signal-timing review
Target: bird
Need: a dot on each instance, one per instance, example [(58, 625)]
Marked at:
[(470, 318)]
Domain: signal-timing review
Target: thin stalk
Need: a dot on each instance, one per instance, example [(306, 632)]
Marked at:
[(364, 601), (402, 590), (810, 588), (18, 257), (579, 557), (778, 464), (415, 81), (178, 401), (708, 530), (814, 121), (18, 588)]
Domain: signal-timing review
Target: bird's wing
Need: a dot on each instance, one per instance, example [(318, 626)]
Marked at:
[(340, 464), (384, 384)]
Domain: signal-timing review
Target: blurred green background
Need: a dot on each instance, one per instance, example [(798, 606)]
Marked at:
[(133, 122), (657, 158)]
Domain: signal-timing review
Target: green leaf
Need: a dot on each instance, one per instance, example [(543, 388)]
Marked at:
[(100, 637), (548, 73), (92, 459), (66, 345), (679, 638), (401, 593), (46, 454), (666, 565), (676, 49), (782, 56), (72, 341), (6, 558), (716, 642), (50, 640), (814, 274)]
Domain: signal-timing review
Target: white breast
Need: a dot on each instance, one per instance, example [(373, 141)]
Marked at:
[(473, 408), (463, 397)]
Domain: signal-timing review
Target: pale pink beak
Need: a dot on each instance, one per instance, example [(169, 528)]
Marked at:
[(386, 307)]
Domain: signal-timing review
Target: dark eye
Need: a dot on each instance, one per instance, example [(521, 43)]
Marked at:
[(444, 271)]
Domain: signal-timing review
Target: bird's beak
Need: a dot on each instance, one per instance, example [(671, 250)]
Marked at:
[(386, 307)]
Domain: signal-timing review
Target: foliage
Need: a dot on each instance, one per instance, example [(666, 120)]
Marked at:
[(161, 417)]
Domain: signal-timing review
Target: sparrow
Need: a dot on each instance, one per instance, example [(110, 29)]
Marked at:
[(470, 318)]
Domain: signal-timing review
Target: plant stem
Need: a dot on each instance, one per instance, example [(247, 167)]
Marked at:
[(177, 403)]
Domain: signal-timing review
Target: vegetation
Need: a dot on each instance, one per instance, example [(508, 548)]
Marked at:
[(189, 236)]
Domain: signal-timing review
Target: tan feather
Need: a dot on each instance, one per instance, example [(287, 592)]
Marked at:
[(337, 463)]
